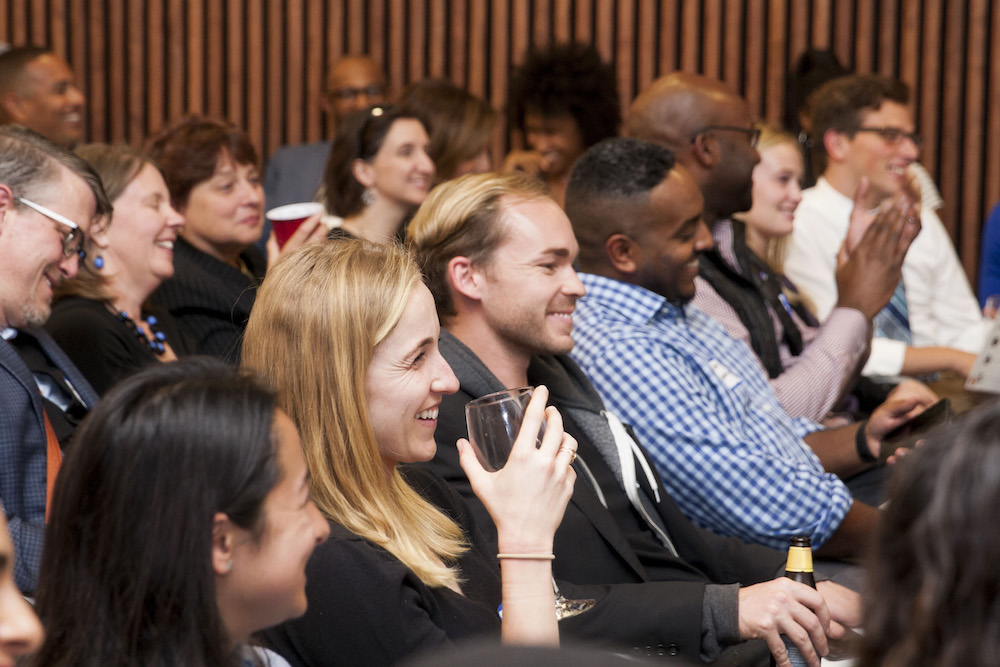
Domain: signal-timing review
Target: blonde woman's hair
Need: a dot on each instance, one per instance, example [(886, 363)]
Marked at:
[(777, 249), (315, 324)]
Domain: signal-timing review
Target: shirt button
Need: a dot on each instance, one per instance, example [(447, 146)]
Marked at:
[(673, 649)]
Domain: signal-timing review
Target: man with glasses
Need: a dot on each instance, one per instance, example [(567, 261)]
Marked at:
[(49, 200), (294, 173), (864, 136)]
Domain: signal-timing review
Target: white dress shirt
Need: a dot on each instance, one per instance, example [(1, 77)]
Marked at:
[(942, 309)]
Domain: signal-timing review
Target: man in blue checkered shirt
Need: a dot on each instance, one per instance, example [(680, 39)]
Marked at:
[(730, 456)]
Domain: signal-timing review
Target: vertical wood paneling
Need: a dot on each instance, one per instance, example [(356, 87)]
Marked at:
[(38, 27), (690, 22), (458, 38), (117, 62), (775, 63), (668, 36), (604, 20), (624, 54), (97, 73), (262, 63), (929, 94), (155, 43), (278, 73), (561, 24), (711, 39), (499, 59), (477, 56), (992, 144), (975, 78), (951, 110), (909, 55), (237, 74), (733, 57), (753, 80), (645, 69), (540, 26), (138, 77), (216, 76)]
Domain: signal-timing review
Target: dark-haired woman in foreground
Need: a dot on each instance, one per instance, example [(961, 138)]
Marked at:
[(181, 523), (934, 594)]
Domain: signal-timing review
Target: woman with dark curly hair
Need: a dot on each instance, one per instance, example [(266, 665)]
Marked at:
[(934, 579), (564, 100)]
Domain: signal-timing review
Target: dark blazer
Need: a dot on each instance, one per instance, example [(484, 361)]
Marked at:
[(211, 300), (590, 545), (23, 451), (294, 173)]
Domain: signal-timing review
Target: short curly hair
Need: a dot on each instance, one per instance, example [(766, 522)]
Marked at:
[(567, 79)]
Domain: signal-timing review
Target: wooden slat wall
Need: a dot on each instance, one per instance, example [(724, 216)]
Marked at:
[(260, 63)]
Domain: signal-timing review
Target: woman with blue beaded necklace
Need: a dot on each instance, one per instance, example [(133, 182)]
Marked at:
[(101, 318)]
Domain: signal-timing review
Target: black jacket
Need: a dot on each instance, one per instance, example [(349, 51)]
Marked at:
[(664, 612)]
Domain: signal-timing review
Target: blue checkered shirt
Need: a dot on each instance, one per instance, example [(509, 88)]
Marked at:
[(700, 402)]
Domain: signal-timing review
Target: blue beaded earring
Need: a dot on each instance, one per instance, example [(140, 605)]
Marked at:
[(98, 262)]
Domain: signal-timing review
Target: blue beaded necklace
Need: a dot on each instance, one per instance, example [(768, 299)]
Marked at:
[(157, 343)]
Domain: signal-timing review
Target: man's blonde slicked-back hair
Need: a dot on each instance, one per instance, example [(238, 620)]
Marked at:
[(462, 218), (316, 321)]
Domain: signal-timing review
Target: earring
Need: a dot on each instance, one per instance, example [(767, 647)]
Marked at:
[(229, 565), (368, 197), (98, 261)]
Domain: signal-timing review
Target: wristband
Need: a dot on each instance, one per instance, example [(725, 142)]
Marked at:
[(538, 556), (861, 444)]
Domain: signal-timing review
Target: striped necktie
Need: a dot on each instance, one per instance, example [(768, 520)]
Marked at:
[(893, 321)]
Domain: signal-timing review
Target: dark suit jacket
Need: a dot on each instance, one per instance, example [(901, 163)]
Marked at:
[(665, 608), (23, 451), (294, 173)]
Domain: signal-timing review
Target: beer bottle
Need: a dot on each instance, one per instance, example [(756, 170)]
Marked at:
[(799, 567)]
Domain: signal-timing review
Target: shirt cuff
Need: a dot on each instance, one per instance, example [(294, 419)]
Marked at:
[(886, 359), (720, 625)]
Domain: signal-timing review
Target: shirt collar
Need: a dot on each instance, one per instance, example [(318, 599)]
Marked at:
[(633, 302)]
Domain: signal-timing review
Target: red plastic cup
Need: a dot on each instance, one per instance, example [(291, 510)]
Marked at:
[(286, 219)]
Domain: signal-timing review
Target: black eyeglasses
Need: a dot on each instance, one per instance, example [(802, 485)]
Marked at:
[(348, 93), (752, 133), (72, 242), (893, 135)]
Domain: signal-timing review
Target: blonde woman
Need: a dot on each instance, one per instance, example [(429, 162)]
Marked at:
[(348, 333)]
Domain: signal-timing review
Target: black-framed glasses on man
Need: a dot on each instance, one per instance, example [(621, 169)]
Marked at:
[(72, 242), (893, 135), (752, 133), (348, 93)]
